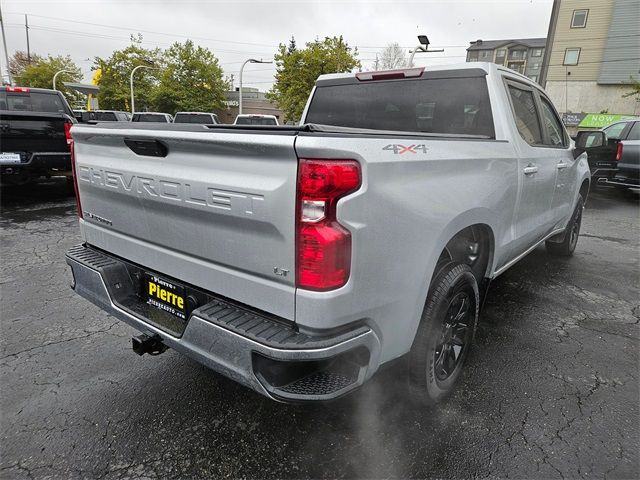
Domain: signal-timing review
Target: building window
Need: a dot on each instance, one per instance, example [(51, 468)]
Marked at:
[(571, 56), (534, 78), (484, 54), (501, 52), (579, 19), (535, 65), (517, 66), (536, 52)]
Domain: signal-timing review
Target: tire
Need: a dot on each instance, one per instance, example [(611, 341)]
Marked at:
[(445, 334), (567, 246)]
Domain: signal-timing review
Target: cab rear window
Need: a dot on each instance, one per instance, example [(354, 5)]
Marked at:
[(193, 118), (451, 106), (32, 102), (255, 121)]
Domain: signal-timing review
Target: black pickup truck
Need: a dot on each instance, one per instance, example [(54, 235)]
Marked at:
[(35, 126), (614, 153)]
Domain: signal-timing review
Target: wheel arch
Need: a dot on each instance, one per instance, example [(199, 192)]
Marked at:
[(478, 226)]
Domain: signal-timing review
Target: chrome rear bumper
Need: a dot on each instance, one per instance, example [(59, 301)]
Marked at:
[(271, 358)]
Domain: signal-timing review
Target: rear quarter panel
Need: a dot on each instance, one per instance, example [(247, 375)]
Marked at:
[(407, 209)]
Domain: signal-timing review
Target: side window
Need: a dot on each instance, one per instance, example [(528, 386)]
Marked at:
[(634, 134), (551, 124), (524, 109), (615, 131)]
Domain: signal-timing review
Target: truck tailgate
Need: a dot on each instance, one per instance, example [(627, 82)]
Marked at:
[(33, 132), (217, 211)]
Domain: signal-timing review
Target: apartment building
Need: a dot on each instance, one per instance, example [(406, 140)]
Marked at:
[(524, 55), (593, 53)]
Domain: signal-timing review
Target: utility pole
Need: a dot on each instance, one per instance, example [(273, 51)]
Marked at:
[(26, 28), (4, 42)]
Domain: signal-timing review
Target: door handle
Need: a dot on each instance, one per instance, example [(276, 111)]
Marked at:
[(562, 165), (530, 169)]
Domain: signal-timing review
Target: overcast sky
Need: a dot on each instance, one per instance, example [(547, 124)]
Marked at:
[(240, 29)]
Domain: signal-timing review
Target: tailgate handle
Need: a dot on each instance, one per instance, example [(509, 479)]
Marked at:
[(148, 148)]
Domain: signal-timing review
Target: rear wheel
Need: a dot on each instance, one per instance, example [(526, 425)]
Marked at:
[(445, 334), (568, 244)]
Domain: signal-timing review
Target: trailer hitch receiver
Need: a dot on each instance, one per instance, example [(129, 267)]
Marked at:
[(148, 344)]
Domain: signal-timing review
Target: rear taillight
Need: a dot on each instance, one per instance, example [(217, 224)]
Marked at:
[(67, 132), (619, 152), (323, 245), (74, 171)]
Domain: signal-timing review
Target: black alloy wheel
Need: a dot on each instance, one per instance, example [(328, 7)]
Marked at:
[(453, 342), (445, 334)]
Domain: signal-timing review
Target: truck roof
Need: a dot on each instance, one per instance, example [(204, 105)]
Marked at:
[(487, 67), (195, 113), (18, 89)]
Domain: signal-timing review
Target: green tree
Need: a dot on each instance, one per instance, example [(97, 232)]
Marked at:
[(298, 69), (39, 74), (190, 80), (115, 72), (635, 88)]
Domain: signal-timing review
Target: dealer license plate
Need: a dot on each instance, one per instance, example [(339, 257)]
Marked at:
[(165, 295), (9, 158)]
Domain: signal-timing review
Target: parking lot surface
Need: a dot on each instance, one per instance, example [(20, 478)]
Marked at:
[(551, 388)]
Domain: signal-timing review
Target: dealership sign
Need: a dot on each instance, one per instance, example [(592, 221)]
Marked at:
[(599, 120), (572, 119)]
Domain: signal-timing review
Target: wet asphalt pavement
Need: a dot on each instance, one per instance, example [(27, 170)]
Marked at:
[(551, 390)]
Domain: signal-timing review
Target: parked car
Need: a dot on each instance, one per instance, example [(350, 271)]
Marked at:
[(105, 116), (614, 153), (303, 258), (35, 134), (196, 117), (155, 117), (252, 119)]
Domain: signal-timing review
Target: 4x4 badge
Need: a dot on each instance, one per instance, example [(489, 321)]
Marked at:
[(399, 149)]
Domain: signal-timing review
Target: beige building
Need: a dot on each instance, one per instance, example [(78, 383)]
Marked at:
[(253, 101), (593, 52)]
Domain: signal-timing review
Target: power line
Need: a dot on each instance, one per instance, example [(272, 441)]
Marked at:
[(131, 29)]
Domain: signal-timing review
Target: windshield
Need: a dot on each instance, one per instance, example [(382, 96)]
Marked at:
[(99, 116), (255, 121), (32, 102), (444, 105)]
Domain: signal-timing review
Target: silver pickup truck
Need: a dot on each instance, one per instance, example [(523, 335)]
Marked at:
[(297, 260)]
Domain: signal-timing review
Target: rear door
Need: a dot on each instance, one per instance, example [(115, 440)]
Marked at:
[(556, 141), (537, 167)]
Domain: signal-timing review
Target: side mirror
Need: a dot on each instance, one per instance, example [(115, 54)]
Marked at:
[(589, 139)]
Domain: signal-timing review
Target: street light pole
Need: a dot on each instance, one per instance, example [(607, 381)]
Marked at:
[(251, 60), (56, 76), (133, 109), (422, 47)]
